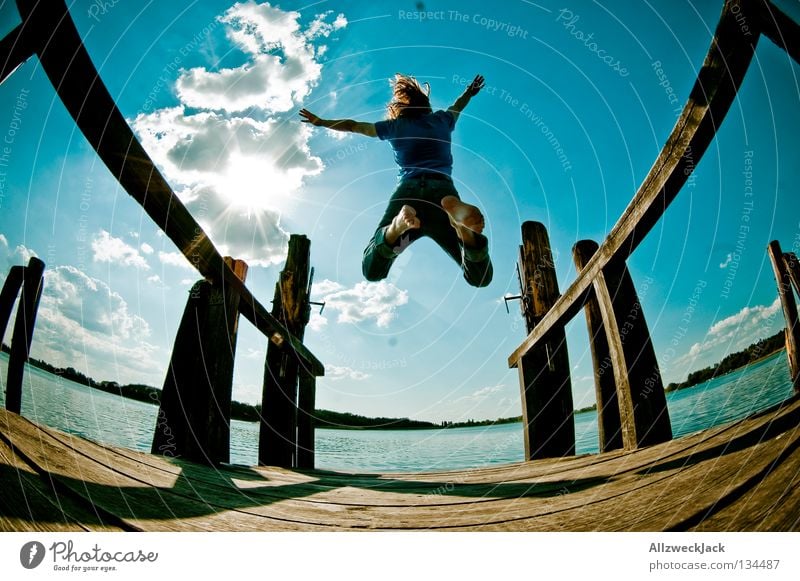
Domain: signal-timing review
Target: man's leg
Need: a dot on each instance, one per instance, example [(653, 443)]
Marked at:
[(398, 228), (467, 247)]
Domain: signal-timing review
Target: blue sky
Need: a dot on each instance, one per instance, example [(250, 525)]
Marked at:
[(579, 100)]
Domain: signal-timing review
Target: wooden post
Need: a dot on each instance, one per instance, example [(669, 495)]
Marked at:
[(793, 268), (22, 336), (547, 410), (609, 426), (783, 278), (194, 416), (306, 397), (642, 403), (8, 295), (277, 445)]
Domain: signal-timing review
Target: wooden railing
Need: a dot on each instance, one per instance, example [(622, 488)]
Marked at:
[(48, 32), (603, 286)]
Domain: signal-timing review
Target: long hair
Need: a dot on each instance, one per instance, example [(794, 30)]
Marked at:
[(409, 99)]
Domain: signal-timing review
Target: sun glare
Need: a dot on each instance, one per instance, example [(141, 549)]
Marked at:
[(255, 185)]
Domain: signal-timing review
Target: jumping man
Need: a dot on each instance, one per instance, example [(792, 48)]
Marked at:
[(425, 202)]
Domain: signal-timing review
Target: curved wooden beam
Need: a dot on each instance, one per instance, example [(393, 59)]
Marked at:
[(712, 95), (52, 34)]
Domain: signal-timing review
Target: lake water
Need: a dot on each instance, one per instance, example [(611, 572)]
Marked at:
[(103, 417)]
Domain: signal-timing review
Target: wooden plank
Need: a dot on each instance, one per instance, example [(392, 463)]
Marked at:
[(780, 29), (14, 50), (8, 295), (771, 504), (642, 403), (27, 503), (141, 501), (690, 488), (544, 372), (277, 443), (50, 29), (715, 89), (789, 306), (609, 425), (22, 336)]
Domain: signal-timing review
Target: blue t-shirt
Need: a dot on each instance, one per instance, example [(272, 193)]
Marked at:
[(421, 144)]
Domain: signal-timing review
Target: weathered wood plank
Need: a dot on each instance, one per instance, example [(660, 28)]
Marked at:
[(140, 501), (609, 425), (51, 31), (780, 29), (642, 403), (27, 503), (770, 505), (715, 89), (22, 335), (789, 306), (544, 372)]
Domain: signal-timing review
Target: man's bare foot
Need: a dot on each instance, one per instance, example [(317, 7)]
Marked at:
[(465, 218), (405, 220)]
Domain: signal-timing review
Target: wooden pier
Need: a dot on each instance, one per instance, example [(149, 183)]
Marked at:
[(744, 476), (739, 477)]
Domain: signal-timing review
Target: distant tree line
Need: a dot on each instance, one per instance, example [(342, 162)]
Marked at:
[(345, 420), (733, 361)]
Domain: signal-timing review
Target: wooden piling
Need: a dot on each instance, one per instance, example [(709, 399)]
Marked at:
[(8, 295), (194, 416), (32, 282), (306, 402), (546, 389), (277, 445), (640, 391), (793, 268), (609, 426), (783, 278)]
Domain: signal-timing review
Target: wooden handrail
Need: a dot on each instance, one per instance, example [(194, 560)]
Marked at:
[(713, 93), (51, 33)]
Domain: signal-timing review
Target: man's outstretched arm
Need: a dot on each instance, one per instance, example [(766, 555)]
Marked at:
[(348, 125), (474, 88)]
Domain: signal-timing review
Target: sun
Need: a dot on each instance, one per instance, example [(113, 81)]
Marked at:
[(254, 184)]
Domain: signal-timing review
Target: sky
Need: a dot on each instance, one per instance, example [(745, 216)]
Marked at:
[(579, 100)]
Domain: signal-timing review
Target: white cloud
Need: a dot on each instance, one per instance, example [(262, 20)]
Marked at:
[(281, 71), (482, 393), (82, 321), (365, 301), (317, 322), (175, 259), (748, 317), (336, 373), (737, 331), (727, 261), (20, 256), (106, 248), (238, 158), (146, 248)]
